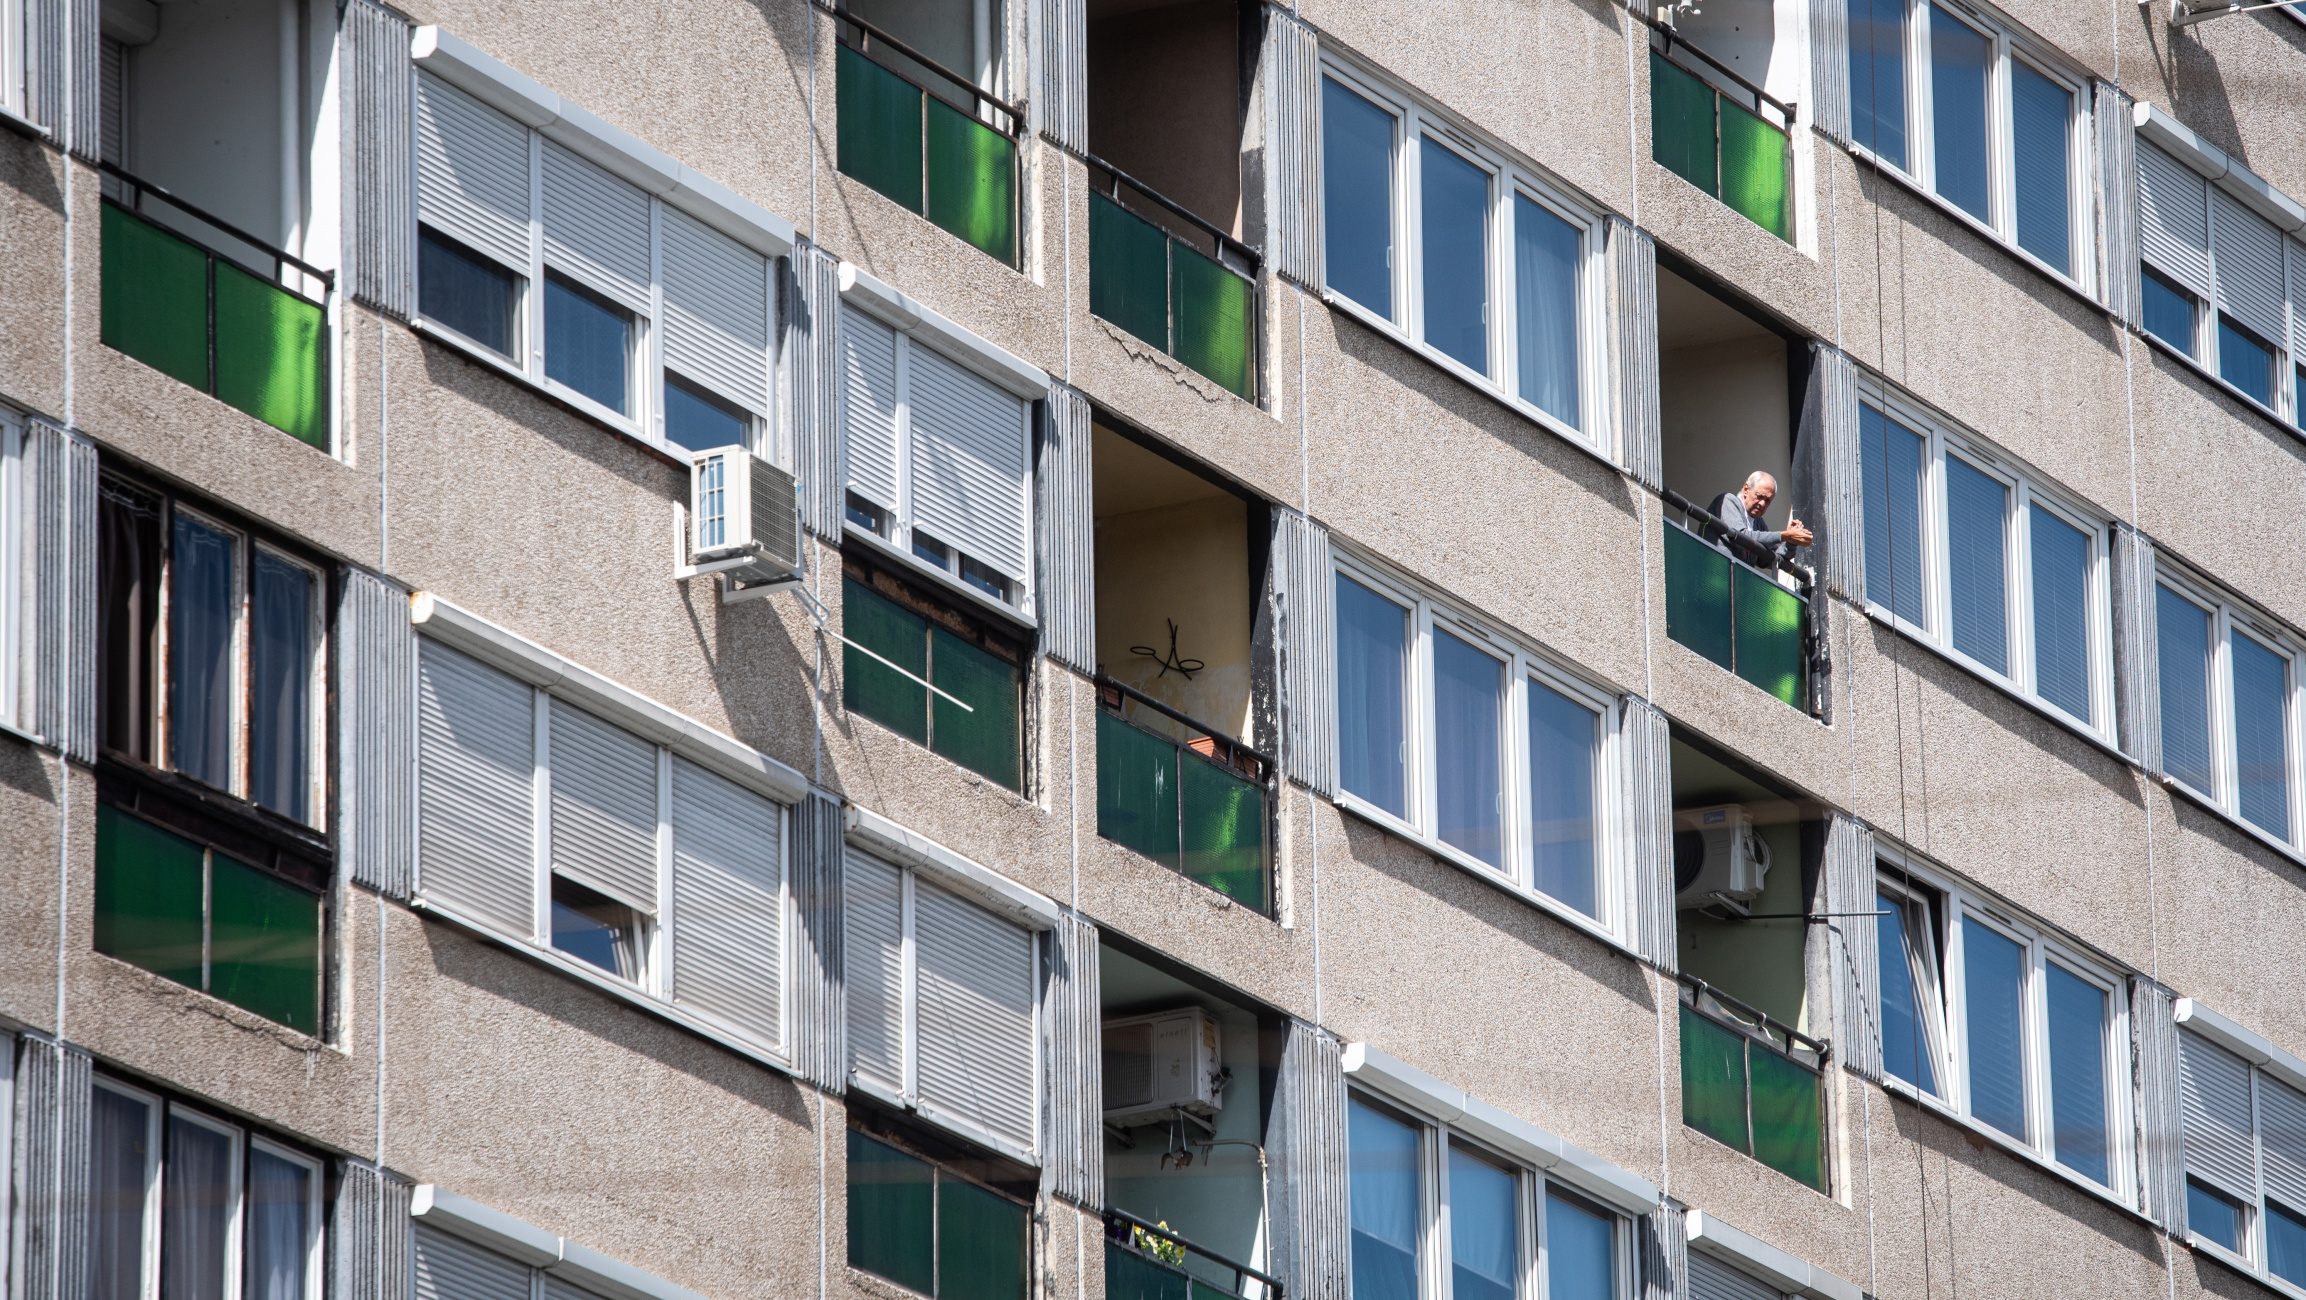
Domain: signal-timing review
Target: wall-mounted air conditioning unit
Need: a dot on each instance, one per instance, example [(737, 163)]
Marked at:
[(1158, 1064), (1719, 860), (744, 518)]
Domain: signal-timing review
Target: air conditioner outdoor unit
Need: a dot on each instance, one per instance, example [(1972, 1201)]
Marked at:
[(1719, 859), (1161, 1063), (744, 518)]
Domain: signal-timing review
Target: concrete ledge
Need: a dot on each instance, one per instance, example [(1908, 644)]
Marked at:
[(1752, 1255), (950, 869), (518, 1240)]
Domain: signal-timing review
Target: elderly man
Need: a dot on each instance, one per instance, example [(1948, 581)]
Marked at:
[(1740, 515)]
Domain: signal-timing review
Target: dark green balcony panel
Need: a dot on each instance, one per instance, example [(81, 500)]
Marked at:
[(898, 635), (1681, 124), (148, 909), (972, 180), (879, 127), (892, 1216), (1216, 320), (981, 1248), (1130, 1275), (264, 944), (1753, 169), (1697, 595), (1788, 1127), (1136, 788), (1129, 271), (1713, 1080), (1224, 830), (270, 346), (155, 297), (1769, 635), (983, 737)]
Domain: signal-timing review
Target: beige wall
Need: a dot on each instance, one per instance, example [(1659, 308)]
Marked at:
[(1186, 564)]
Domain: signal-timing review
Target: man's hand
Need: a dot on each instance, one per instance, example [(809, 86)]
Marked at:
[(1798, 533)]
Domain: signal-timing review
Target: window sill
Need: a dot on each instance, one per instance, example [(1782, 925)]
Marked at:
[(567, 398), (946, 582), (2209, 805), (2098, 1191), (1906, 182), (2249, 403), (1916, 637), (2209, 1249), (11, 120)]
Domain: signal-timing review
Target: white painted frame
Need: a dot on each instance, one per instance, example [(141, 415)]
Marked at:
[(15, 522), (315, 1225), (12, 64), (236, 691), (155, 1111), (316, 684), (2229, 617), (236, 1198), (1924, 916)]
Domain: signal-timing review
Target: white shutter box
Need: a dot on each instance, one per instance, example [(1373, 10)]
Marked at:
[(2214, 1114), (977, 981), (596, 228), (872, 905), (2173, 233), (727, 925), (476, 759), (2282, 1135), (869, 407), (472, 172), (2246, 268), (1711, 1279), (604, 807), (970, 472), (446, 1267), (716, 327)]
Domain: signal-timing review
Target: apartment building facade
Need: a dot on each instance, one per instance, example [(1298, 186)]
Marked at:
[(1081, 649)]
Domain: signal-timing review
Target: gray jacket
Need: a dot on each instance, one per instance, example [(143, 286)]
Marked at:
[(1760, 545)]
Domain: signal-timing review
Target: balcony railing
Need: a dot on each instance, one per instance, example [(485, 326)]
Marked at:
[(1193, 294), (1144, 1261), (1752, 1083), (1731, 144), (200, 315), (955, 167), (1196, 805), (1738, 615)]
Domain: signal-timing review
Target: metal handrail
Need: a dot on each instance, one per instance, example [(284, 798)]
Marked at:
[(1698, 988), (868, 33), (281, 258), (1816, 657), (1118, 1223), (1104, 683), (1710, 529), (1221, 242), (1675, 39)]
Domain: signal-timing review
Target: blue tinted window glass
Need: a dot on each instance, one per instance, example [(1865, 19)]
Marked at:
[(1977, 575), (1381, 1184), (1992, 967), (203, 565), (2041, 135), (1564, 747), (588, 343), (1906, 1052), (1357, 197), (2084, 1140), (2261, 735), (2298, 394), (2211, 1215), (2061, 563), (1372, 660), (1483, 1229), (2168, 310), (2285, 1244), (2182, 659), (1580, 1251), (1456, 254), (2245, 362), (1959, 56), (1545, 303), (1878, 77), (466, 292), (280, 663), (1890, 462), (1468, 699), (695, 420)]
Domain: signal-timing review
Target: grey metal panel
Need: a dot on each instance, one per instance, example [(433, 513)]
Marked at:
[(1711, 1279), (2117, 202), (2173, 222), (2161, 1158), (368, 1234), (1067, 598), (62, 685), (814, 375), (2282, 1140), (977, 981), (476, 793), (444, 1267), (1060, 99), (1305, 601), (472, 173), (969, 477), (1841, 543), (46, 62), (604, 806), (1830, 68), (596, 227), (1633, 307), (2136, 670), (1850, 947), (1649, 832), (52, 1116), (1291, 71), (817, 1042), (2246, 267), (1073, 1119), (83, 42), (728, 908), (873, 969), (716, 320), (872, 427), (2215, 1116), (1664, 1253), (376, 734), (1305, 1138), (379, 131)]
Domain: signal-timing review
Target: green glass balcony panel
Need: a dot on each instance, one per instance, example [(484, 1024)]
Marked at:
[(148, 909), (1130, 1275), (1224, 830), (1769, 635), (1713, 1080), (1137, 788), (878, 136), (981, 1248), (1203, 1291), (155, 297), (1753, 169), (892, 1218), (1129, 271), (1681, 124), (1216, 320), (898, 635), (264, 944), (269, 354), (1789, 1130), (972, 180), (983, 737), (1697, 595)]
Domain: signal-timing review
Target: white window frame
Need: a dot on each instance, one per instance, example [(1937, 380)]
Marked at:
[(315, 1228), (316, 729), (1928, 979), (1509, 178), (2262, 1060), (13, 70), (14, 523), (2001, 175), (1940, 439), (236, 694), (1521, 668), (155, 1134), (2229, 616)]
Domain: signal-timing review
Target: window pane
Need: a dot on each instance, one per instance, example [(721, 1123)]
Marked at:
[(2041, 133), (119, 1152), (196, 1211), (1878, 77), (264, 943), (128, 616), (2213, 1215), (202, 563), (2285, 1243), (280, 661), (2061, 563), (2245, 362), (1545, 301), (1958, 60), (1564, 749), (2182, 662), (1381, 1163), (467, 293), (981, 1248), (1372, 660), (1890, 460), (2261, 740), (2078, 1074), (280, 1228), (2168, 310), (1357, 197), (1456, 254), (892, 1223), (1993, 968), (1468, 697), (695, 420), (1580, 1251), (595, 929), (1907, 1052), (1483, 1220), (1977, 574), (588, 343)]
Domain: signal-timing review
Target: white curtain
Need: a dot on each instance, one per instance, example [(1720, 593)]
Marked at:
[(195, 1211), (1382, 1156), (279, 1228)]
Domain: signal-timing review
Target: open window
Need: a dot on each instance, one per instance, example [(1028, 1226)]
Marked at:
[(1723, 82)]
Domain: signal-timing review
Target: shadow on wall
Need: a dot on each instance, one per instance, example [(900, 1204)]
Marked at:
[(26, 771), (26, 168)]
